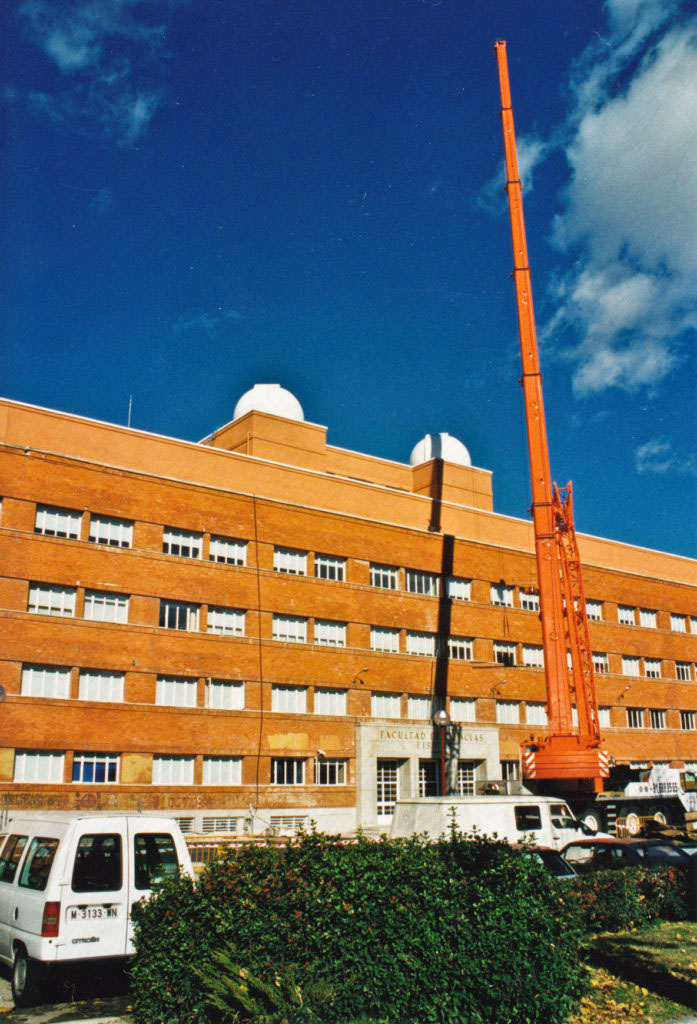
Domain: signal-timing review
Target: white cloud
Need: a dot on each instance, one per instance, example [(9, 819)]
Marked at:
[(103, 48), (630, 208), (657, 456)]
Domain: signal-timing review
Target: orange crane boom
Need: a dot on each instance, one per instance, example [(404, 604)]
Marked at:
[(568, 753)]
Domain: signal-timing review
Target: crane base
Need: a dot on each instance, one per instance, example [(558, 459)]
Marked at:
[(565, 758)]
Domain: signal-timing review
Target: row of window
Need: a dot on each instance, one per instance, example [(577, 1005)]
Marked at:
[(103, 606), (229, 695), (108, 530), (99, 768)]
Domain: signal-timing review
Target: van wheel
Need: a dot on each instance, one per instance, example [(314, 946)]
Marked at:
[(26, 981), (593, 818)]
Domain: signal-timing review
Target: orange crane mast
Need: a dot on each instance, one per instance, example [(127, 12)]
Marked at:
[(570, 755)]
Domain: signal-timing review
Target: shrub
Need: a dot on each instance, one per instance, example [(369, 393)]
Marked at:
[(402, 930), (630, 897)]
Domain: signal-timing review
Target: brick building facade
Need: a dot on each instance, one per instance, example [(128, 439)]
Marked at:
[(255, 630)]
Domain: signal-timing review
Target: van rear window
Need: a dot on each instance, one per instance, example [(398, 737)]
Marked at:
[(527, 817), (155, 858), (10, 857), (37, 865), (97, 866)]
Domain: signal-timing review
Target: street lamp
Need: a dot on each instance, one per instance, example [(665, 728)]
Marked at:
[(441, 719)]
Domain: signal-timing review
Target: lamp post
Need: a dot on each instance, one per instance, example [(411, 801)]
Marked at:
[(441, 719)]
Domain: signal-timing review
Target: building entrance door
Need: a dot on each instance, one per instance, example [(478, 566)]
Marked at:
[(387, 787)]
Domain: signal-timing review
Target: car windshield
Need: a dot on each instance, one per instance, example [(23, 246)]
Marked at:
[(555, 863)]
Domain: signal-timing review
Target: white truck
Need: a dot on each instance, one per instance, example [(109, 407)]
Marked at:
[(67, 885), (514, 817), (667, 794)]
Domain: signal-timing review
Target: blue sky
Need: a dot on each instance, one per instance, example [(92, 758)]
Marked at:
[(201, 195)]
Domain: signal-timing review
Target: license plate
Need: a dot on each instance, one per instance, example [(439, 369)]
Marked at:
[(93, 913)]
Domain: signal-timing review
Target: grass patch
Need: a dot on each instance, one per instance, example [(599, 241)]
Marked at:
[(662, 957), (610, 1000)]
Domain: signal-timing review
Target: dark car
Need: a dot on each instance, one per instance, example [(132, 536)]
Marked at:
[(602, 854), (551, 859)]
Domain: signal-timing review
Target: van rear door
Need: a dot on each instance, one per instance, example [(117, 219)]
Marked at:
[(94, 893), (154, 857)]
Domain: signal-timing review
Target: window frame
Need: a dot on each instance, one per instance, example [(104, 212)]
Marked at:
[(30, 766), (378, 635), (533, 656), (287, 699), (71, 517), (326, 565), (657, 718), (420, 644), (505, 653), (329, 633), (648, 618), (287, 771), (286, 621), (626, 615), (189, 543), (216, 623), (501, 595), (94, 760), (98, 677), (330, 771), (217, 546), (169, 691), (234, 687), (384, 577), (180, 764), (215, 766), (425, 584), (508, 712), (333, 698), (289, 561), (455, 583), (63, 608), (382, 703), (457, 707), (114, 607), (36, 680), (181, 612), (635, 718), (460, 648), (110, 531)]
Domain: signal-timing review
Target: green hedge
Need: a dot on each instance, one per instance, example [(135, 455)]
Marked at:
[(629, 898), (396, 931)]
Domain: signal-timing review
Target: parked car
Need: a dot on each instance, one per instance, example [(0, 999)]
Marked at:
[(552, 860), (67, 885), (601, 854)]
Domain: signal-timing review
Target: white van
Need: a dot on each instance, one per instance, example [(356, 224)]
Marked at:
[(67, 885), (547, 820)]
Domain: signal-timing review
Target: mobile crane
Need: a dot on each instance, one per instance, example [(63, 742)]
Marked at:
[(572, 758), (569, 760)]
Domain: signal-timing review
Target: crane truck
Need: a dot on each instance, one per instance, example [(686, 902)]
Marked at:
[(569, 759)]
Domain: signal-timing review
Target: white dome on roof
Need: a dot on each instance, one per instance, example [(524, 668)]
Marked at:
[(270, 398), (440, 446)]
